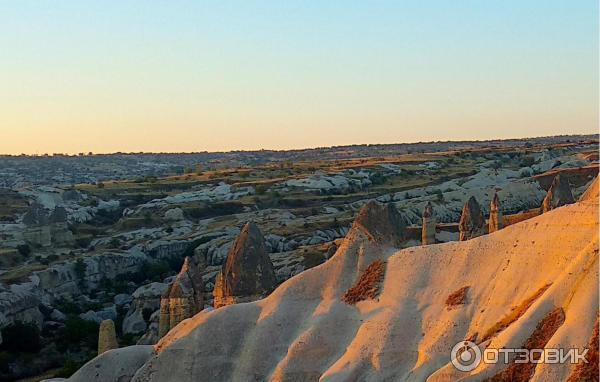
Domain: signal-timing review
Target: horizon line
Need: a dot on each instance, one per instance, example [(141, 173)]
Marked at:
[(92, 153)]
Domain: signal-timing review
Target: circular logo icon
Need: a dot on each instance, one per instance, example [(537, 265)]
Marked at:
[(465, 356)]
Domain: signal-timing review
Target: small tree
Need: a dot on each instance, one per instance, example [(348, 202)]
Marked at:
[(24, 249), (527, 161)]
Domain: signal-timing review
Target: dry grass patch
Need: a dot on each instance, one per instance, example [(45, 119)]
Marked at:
[(368, 285), (522, 372), (458, 297), (514, 315)]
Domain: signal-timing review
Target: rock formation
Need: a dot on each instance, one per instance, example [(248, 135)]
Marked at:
[(45, 228), (429, 223), (304, 331), (37, 229), (382, 223), (72, 195), (247, 274), (151, 335), (558, 195), (145, 299), (472, 222), (59, 228), (182, 299), (107, 337), (116, 366), (495, 222)]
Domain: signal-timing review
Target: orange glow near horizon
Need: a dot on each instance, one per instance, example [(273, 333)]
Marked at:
[(239, 76)]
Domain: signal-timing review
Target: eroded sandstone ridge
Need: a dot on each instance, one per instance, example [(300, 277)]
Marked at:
[(431, 298), (472, 222), (429, 222), (496, 221), (248, 273), (558, 195), (107, 337), (182, 299)]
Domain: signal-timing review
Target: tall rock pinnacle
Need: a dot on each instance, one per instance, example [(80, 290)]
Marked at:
[(248, 273), (472, 222), (496, 221), (182, 299), (429, 223), (107, 336), (558, 195)]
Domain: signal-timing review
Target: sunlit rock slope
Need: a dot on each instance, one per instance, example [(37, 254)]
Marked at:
[(495, 290)]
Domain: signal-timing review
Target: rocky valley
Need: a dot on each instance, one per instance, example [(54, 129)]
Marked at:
[(350, 263)]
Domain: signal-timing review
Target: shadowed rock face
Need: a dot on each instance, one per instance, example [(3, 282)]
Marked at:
[(558, 195), (472, 222), (36, 215), (45, 227), (248, 272), (381, 223), (496, 220), (58, 215), (182, 299)]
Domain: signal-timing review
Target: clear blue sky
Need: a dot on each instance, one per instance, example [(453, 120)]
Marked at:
[(108, 76)]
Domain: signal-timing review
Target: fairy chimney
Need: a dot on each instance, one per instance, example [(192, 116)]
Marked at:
[(429, 223), (496, 222), (248, 273), (472, 222), (182, 299), (107, 336), (558, 195), (381, 223)]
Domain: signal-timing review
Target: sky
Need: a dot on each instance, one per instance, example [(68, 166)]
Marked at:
[(174, 76)]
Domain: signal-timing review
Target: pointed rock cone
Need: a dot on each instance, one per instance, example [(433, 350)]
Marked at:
[(429, 223), (107, 336), (591, 192), (182, 299), (248, 273), (381, 223), (472, 222), (496, 221), (558, 195)]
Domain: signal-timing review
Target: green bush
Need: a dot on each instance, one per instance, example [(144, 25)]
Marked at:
[(525, 173), (261, 189), (156, 271), (527, 161), (21, 337), (24, 249), (80, 331)]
